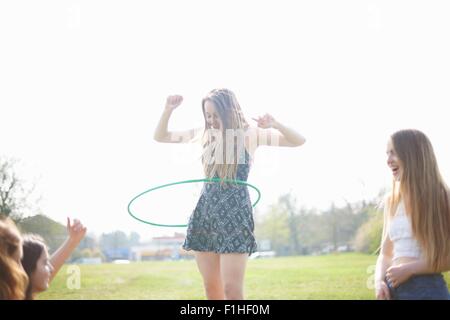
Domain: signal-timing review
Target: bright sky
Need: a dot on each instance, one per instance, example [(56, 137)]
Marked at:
[(83, 83)]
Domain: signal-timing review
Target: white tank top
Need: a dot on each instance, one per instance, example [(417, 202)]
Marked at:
[(400, 233)]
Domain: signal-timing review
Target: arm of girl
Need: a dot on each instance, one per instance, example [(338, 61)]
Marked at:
[(76, 233), (285, 137), (401, 273), (162, 134), (384, 260)]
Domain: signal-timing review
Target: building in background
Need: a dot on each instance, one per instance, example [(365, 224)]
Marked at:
[(161, 248)]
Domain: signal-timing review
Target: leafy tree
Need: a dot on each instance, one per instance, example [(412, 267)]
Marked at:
[(16, 194)]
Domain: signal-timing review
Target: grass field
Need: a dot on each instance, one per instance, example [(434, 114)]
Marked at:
[(342, 276)]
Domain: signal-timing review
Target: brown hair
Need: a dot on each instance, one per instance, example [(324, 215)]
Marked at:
[(425, 194), (33, 247), (13, 279)]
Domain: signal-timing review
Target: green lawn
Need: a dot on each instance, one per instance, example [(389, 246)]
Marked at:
[(342, 276)]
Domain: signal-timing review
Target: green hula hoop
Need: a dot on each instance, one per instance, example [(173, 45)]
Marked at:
[(183, 182)]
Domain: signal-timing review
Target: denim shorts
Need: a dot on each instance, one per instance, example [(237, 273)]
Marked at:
[(421, 287)]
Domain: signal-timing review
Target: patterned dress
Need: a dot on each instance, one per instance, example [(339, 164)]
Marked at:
[(222, 221)]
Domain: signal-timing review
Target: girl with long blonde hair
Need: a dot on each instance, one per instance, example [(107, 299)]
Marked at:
[(221, 227), (415, 246)]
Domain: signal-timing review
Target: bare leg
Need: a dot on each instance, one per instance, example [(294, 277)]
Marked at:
[(208, 264), (232, 267)]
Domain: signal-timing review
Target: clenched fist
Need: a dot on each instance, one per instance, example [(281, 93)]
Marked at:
[(173, 102)]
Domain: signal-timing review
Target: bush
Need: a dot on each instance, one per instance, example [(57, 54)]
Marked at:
[(368, 236)]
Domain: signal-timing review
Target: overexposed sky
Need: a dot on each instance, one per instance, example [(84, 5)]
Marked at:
[(83, 83)]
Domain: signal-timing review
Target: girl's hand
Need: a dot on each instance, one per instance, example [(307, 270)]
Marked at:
[(266, 121), (173, 102), (397, 275), (76, 231), (382, 291)]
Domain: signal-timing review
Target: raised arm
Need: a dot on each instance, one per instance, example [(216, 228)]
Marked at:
[(282, 137), (162, 134), (76, 233)]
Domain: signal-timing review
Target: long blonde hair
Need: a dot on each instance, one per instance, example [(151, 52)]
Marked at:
[(217, 145), (425, 195), (13, 279)]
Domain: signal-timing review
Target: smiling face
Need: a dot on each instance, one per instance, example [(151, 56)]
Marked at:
[(393, 161), (212, 118), (40, 277)]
